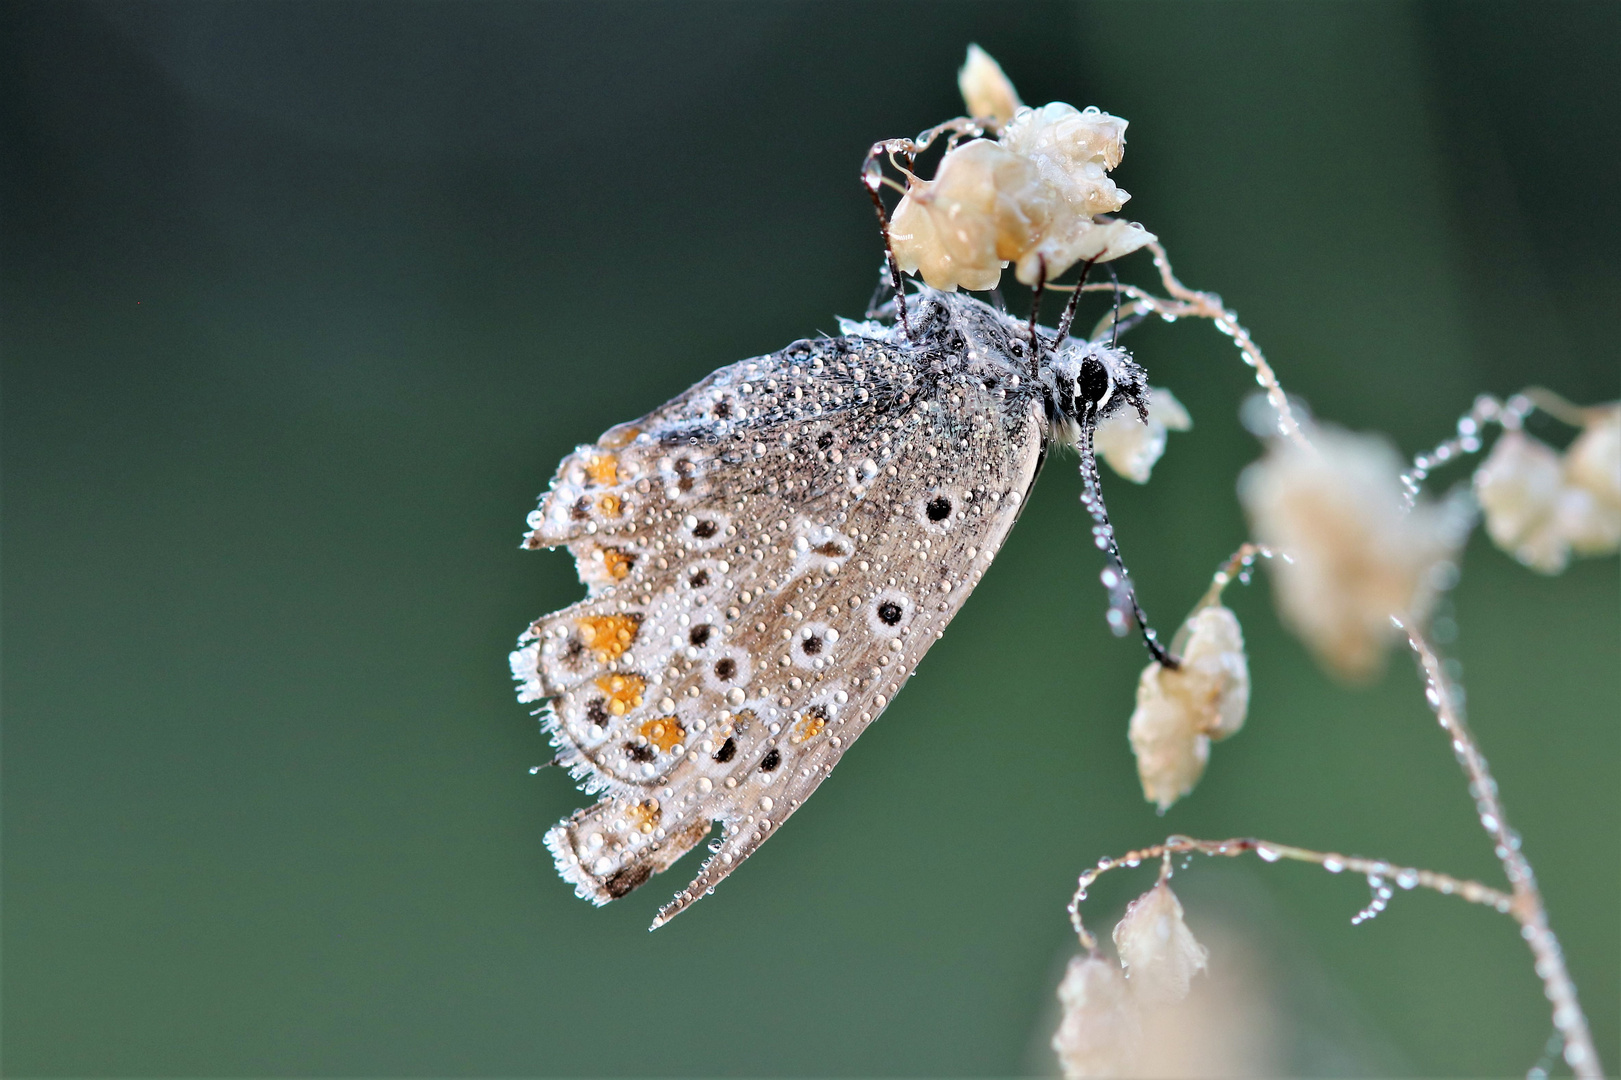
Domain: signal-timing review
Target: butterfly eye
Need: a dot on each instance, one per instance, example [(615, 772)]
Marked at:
[(1094, 383)]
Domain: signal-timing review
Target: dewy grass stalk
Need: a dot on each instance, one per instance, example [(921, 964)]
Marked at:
[(1357, 554)]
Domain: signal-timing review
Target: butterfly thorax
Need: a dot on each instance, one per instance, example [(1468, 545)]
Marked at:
[(1077, 382)]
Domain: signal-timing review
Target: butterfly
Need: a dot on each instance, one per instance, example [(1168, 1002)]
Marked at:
[(770, 554)]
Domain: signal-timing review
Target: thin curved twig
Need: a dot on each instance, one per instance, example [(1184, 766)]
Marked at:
[(1526, 907), (1405, 877)]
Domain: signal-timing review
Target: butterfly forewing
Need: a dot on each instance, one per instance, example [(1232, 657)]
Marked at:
[(768, 557)]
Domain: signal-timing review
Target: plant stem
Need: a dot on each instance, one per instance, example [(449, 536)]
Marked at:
[(1527, 907), (1406, 877)]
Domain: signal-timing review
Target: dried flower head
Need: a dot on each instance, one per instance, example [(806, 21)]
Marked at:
[(1100, 1030), (1354, 556), (1540, 506), (986, 90), (1158, 950), (1074, 150), (985, 207), (1180, 711), (1592, 508), (1132, 447), (1030, 198), (1519, 487)]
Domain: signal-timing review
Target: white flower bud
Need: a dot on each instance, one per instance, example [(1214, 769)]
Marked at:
[(1074, 150), (1029, 199), (1518, 486), (1130, 446), (1216, 671), (986, 91), (1179, 712), (985, 207), (1158, 950), (1354, 555), (1590, 514), (1081, 144), (1100, 1030), (1171, 751)]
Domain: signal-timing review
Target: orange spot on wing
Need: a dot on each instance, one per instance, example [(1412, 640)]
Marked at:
[(616, 562), (618, 438), (624, 692), (608, 635), (809, 726), (644, 816), (610, 505), (663, 733), (603, 469)]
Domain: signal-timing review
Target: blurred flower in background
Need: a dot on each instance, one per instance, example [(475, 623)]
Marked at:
[(1354, 555)]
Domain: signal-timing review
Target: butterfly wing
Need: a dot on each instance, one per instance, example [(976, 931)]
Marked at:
[(768, 557)]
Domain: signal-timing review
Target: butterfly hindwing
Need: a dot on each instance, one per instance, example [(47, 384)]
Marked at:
[(768, 557)]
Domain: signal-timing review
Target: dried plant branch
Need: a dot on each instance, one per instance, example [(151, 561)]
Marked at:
[(1237, 567), (1562, 410), (1509, 414), (1208, 305), (1526, 907), (1525, 901), (1378, 872), (1162, 714)]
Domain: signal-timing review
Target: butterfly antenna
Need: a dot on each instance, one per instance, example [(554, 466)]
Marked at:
[(1035, 308), (1114, 333), (1074, 301), (1122, 594), (872, 178)]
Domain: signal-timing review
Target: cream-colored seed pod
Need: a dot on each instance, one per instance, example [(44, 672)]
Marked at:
[(1030, 199), (1591, 512), (1518, 487), (1160, 953), (1132, 447), (1100, 1030), (984, 208), (1354, 554), (1180, 711), (986, 89)]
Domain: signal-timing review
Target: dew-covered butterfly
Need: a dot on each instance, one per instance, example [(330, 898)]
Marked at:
[(769, 555)]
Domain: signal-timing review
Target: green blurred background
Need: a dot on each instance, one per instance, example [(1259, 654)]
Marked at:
[(303, 303)]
